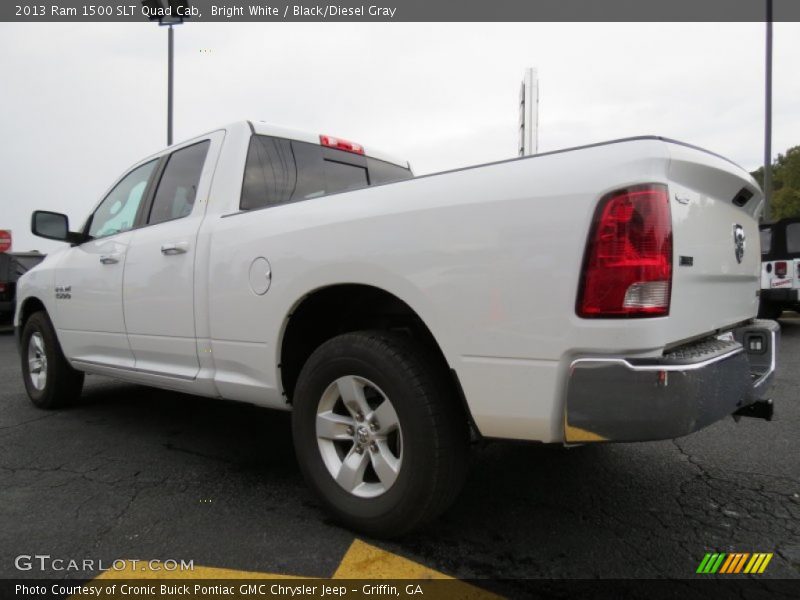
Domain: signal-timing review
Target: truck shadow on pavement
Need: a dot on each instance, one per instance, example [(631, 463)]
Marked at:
[(134, 471)]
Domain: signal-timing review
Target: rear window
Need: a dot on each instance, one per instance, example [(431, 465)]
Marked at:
[(766, 240), (381, 171), (340, 177), (278, 170), (793, 238)]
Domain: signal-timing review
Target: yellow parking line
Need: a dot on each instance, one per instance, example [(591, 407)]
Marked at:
[(576, 434), (198, 572), (361, 561)]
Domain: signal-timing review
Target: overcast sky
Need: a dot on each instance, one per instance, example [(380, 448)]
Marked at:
[(80, 103)]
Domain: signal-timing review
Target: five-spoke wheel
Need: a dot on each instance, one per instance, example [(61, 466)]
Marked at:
[(359, 436), (378, 431)]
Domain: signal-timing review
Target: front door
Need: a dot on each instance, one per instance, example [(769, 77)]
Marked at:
[(88, 280)]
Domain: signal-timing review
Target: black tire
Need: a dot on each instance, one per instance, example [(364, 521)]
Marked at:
[(769, 310), (62, 384), (435, 432)]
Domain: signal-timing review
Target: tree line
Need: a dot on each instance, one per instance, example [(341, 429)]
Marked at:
[(785, 184)]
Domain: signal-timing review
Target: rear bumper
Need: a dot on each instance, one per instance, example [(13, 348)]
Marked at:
[(781, 295), (628, 400)]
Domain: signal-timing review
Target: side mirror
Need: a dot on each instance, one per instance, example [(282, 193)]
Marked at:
[(54, 226)]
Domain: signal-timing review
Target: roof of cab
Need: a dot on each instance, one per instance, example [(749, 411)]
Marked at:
[(262, 128)]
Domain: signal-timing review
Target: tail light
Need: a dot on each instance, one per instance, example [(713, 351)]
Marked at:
[(627, 270), (338, 144), (780, 269), (2, 288)]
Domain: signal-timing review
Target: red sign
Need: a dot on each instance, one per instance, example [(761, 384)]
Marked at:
[(5, 240)]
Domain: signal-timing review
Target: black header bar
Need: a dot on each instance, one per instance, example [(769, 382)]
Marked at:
[(405, 10)]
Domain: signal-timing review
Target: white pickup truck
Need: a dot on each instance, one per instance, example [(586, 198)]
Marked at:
[(602, 293)]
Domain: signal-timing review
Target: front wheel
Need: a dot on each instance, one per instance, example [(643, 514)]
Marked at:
[(378, 432), (49, 379)]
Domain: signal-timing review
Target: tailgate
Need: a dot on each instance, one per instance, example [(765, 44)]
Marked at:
[(716, 262)]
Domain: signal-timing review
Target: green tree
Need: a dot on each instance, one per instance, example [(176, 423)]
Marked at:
[(785, 184)]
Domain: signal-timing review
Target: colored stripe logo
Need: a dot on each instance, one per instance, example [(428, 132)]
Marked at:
[(734, 563)]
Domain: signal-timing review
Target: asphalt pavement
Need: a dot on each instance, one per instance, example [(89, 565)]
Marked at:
[(133, 472)]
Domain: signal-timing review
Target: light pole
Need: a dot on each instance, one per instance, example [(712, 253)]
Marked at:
[(168, 13), (768, 119)]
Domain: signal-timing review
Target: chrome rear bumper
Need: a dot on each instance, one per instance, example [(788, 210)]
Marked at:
[(627, 400)]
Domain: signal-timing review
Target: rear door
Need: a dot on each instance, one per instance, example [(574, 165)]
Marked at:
[(158, 291)]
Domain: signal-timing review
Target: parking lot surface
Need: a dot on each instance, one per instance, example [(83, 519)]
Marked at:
[(137, 473)]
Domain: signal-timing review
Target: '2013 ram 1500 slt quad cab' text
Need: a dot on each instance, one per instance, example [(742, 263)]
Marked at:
[(602, 293)]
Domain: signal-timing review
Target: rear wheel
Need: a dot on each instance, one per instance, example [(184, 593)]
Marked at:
[(378, 433), (49, 379)]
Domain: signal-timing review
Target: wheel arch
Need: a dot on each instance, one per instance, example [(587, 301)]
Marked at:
[(28, 307), (335, 309)]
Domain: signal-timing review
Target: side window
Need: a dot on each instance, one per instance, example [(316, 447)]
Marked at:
[(177, 189), (793, 238), (117, 211), (766, 240)]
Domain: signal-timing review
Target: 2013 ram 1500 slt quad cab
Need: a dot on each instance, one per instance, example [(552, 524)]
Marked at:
[(602, 293)]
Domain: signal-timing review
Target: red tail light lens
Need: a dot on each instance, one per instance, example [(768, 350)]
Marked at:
[(2, 287), (780, 269), (339, 144), (627, 270)]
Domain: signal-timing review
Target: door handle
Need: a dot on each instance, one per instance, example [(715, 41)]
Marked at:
[(170, 249), (109, 259)]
